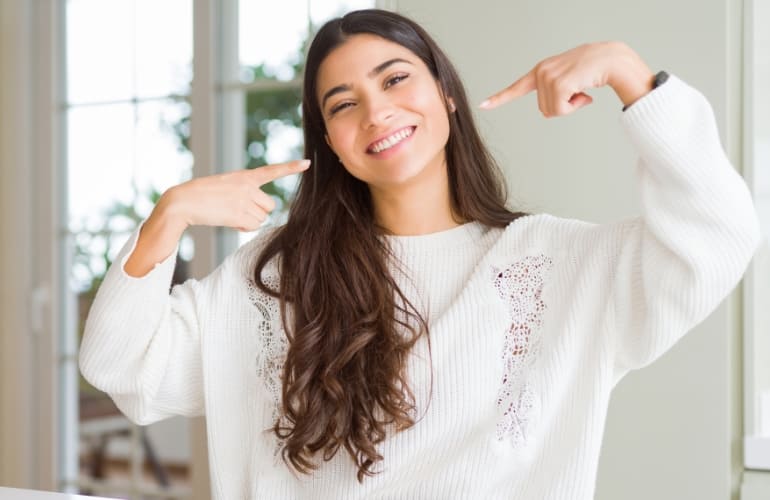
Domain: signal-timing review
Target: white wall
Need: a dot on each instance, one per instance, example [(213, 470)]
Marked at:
[(674, 428)]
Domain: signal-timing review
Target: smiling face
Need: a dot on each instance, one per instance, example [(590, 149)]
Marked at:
[(384, 114)]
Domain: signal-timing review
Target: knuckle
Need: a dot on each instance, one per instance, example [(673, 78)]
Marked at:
[(543, 70), (562, 87)]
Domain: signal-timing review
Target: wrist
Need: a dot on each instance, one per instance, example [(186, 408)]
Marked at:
[(169, 213), (630, 77)]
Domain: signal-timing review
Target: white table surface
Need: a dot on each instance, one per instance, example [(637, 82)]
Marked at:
[(15, 494)]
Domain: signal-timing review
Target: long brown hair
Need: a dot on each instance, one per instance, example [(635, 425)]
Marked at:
[(344, 379)]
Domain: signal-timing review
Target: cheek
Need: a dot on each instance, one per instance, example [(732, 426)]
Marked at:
[(439, 120), (340, 137), (420, 100), (429, 102)]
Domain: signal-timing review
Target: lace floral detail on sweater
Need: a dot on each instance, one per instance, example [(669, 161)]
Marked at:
[(272, 344), (520, 286)]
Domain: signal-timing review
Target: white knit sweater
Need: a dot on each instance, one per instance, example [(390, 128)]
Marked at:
[(531, 328)]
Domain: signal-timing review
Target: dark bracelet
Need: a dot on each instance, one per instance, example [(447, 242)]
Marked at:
[(660, 78)]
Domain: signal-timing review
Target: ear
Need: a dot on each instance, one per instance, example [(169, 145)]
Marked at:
[(451, 105)]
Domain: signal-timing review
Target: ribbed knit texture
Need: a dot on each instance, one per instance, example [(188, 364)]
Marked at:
[(531, 328)]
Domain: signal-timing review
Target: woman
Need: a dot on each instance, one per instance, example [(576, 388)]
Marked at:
[(405, 335)]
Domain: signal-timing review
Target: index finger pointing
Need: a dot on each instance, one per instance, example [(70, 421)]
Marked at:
[(269, 173), (520, 87)]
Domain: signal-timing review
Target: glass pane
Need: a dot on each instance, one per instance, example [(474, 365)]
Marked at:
[(274, 135), (323, 10), (162, 138), (121, 49), (164, 47), (100, 160), (99, 50), (273, 126), (270, 40), (121, 157)]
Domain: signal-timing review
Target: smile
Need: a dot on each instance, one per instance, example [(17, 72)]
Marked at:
[(391, 140)]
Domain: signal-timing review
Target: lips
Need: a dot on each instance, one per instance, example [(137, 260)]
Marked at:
[(388, 141)]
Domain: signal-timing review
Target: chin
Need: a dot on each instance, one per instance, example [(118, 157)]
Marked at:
[(398, 177), (388, 175)]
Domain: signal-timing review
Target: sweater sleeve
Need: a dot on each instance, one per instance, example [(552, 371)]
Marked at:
[(141, 344), (697, 233)]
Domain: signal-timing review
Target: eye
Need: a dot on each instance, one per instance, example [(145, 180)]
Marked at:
[(339, 107), (395, 79)]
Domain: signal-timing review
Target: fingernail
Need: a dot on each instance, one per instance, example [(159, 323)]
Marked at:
[(304, 163), (485, 104)]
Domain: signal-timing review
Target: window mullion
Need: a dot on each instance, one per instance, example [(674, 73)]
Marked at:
[(207, 24), (204, 120), (232, 103), (232, 85)]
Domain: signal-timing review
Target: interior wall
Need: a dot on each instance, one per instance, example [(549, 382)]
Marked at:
[(673, 428)]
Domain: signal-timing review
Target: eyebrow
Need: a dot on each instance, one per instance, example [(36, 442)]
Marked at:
[(374, 72)]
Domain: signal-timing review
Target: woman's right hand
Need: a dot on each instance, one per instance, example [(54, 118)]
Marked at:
[(233, 199)]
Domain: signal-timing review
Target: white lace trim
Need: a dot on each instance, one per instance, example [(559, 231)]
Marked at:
[(520, 285), (272, 346)]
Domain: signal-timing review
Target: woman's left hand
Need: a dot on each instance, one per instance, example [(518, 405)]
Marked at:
[(561, 80)]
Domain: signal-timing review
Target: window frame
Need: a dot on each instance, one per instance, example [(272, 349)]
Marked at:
[(756, 449)]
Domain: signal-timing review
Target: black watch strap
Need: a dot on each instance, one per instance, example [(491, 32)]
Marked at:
[(660, 78)]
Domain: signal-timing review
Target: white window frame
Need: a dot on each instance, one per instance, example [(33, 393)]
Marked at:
[(756, 45)]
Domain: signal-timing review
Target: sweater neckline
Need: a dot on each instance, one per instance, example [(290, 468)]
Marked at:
[(459, 236)]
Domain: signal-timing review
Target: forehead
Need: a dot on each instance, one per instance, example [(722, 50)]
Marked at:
[(356, 57)]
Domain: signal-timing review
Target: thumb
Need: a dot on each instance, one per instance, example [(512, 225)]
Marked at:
[(580, 99)]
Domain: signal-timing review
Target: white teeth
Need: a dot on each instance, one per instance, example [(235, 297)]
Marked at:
[(391, 141)]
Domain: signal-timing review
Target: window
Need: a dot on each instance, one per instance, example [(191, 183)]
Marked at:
[(134, 90), (128, 74)]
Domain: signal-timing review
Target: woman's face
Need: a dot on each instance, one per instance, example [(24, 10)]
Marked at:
[(385, 116)]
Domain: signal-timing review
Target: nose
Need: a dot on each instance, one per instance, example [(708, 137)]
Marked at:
[(378, 110)]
